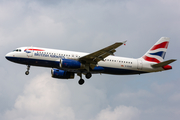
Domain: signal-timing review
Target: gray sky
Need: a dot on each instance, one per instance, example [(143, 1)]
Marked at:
[(88, 26)]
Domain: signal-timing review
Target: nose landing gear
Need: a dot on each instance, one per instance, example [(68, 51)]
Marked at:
[(28, 68)]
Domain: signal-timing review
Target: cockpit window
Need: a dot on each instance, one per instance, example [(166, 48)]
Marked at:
[(17, 50)]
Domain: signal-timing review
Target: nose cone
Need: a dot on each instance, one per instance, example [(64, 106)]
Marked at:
[(9, 56)]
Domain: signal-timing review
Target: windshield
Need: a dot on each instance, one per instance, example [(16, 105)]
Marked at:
[(17, 50)]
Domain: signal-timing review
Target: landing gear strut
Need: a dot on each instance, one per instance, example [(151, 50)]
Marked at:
[(27, 72), (81, 81)]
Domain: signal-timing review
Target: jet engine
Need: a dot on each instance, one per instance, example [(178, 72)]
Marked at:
[(57, 73), (71, 64)]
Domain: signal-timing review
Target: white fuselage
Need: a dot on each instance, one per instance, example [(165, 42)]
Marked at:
[(44, 57)]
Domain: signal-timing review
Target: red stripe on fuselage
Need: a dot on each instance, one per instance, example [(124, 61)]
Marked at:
[(150, 59), (35, 49), (161, 45)]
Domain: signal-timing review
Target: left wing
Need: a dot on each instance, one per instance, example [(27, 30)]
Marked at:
[(95, 57)]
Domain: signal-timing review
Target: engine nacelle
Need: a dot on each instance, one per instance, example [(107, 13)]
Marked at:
[(57, 73), (71, 64)]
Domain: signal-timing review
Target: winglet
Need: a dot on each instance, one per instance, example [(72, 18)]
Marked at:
[(124, 42)]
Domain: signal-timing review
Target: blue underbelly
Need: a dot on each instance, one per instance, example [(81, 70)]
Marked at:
[(55, 64)]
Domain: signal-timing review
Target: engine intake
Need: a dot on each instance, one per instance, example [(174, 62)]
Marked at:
[(57, 73)]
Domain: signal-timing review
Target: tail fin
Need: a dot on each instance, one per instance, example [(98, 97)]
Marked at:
[(158, 51)]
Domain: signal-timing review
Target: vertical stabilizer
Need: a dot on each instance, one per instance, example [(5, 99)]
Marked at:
[(157, 51)]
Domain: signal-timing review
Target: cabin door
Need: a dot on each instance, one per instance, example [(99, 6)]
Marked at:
[(139, 64), (29, 52)]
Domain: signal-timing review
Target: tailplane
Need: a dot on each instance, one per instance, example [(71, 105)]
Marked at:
[(157, 51), (162, 64)]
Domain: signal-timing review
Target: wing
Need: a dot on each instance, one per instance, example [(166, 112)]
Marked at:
[(95, 57)]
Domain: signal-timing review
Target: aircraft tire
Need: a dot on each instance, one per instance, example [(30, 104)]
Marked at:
[(81, 81), (88, 75), (27, 72)]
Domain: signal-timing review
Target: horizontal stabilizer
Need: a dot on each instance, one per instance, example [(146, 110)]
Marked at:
[(161, 64)]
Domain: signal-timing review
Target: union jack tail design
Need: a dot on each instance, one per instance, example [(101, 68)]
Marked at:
[(158, 51)]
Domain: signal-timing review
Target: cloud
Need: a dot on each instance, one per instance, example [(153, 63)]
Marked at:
[(88, 26), (175, 97), (164, 88), (149, 103), (45, 98), (42, 99), (119, 113)]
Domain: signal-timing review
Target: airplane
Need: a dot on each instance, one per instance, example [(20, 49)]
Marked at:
[(65, 64)]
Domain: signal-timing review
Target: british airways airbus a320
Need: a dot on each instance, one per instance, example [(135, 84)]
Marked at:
[(65, 64)]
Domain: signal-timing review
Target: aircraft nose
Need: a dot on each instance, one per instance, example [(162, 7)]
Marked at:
[(8, 56)]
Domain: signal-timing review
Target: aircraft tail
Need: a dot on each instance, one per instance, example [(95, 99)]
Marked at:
[(157, 51)]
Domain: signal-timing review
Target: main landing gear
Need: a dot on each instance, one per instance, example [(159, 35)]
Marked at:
[(81, 81), (28, 68), (88, 75)]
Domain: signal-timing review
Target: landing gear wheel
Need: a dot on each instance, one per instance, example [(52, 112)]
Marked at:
[(28, 68), (88, 75), (27, 72), (81, 81)]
